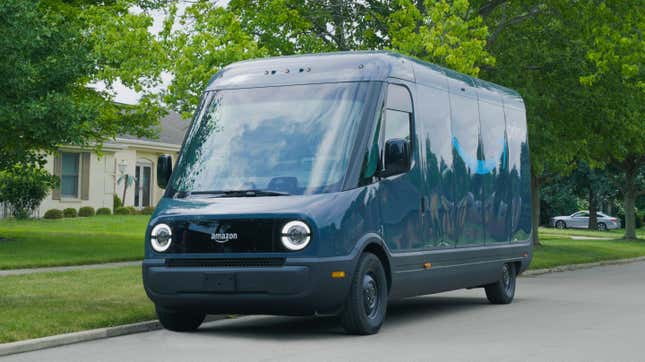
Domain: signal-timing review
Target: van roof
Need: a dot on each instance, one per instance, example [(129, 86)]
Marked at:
[(352, 66)]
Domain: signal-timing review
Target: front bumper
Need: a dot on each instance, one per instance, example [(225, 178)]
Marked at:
[(302, 286)]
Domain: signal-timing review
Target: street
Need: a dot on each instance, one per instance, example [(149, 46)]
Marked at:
[(586, 315)]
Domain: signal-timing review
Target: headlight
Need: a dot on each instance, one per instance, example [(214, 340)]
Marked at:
[(295, 235), (161, 237)]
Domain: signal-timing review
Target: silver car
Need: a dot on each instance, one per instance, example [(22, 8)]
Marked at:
[(580, 220)]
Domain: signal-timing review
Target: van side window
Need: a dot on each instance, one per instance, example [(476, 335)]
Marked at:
[(397, 117)]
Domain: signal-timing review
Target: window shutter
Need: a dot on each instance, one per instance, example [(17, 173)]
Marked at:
[(85, 176), (58, 165)]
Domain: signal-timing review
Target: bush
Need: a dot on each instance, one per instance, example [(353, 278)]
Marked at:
[(24, 187), (53, 214), (122, 211), (133, 211), (147, 210), (116, 202), (70, 212), (86, 211), (104, 211)]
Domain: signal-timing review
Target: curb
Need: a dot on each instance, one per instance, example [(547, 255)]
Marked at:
[(85, 336), (572, 267)]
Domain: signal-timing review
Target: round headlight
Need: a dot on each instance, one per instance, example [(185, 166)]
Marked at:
[(161, 237), (295, 235)]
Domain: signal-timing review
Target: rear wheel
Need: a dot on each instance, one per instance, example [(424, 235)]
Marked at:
[(180, 321), (601, 226), (503, 291), (366, 304), (560, 224)]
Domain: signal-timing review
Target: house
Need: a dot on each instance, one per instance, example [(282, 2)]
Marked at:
[(91, 179)]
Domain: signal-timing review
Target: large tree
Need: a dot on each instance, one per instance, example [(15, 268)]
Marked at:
[(51, 51)]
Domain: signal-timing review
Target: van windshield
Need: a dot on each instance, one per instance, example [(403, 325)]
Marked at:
[(294, 139)]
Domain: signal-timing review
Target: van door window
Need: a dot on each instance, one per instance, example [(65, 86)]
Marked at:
[(398, 117)]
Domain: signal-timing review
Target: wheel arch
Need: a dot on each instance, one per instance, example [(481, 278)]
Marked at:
[(373, 243)]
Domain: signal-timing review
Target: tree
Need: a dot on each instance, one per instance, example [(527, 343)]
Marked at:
[(51, 51), (212, 36)]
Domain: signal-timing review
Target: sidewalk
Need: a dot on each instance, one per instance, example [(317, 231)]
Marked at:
[(55, 269)]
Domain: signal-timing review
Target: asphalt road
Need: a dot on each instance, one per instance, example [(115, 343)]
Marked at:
[(587, 315)]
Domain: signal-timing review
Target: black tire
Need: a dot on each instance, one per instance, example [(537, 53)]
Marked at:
[(180, 321), (601, 226), (503, 291), (560, 225), (366, 304)]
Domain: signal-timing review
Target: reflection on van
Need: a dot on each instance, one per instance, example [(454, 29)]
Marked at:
[(330, 184)]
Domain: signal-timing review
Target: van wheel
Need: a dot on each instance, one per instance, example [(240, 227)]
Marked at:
[(366, 304), (503, 291), (560, 225), (180, 321)]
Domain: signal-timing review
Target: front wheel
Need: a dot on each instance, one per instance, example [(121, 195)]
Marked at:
[(366, 304), (560, 225), (180, 321), (503, 291)]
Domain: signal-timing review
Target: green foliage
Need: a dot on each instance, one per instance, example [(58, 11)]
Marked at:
[(70, 212), (24, 188), (445, 34), (116, 202), (147, 210), (53, 214), (104, 211), (132, 210), (86, 211), (51, 50), (122, 211), (212, 36)]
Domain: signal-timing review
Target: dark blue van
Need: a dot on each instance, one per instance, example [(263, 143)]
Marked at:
[(329, 184)]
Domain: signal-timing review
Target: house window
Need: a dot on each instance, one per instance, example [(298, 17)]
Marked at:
[(70, 174)]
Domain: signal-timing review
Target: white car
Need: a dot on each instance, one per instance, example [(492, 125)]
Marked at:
[(580, 220)]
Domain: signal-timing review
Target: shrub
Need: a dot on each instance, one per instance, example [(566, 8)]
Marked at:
[(147, 210), (53, 214), (104, 211), (133, 211), (70, 212), (86, 211), (116, 202), (122, 211), (24, 187)]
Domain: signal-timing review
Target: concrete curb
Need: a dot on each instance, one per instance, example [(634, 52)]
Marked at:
[(85, 336), (571, 267)]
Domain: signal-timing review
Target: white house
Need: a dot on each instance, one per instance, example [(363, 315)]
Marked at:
[(90, 179)]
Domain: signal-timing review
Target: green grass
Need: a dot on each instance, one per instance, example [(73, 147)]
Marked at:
[(82, 240), (563, 251), (45, 304), (616, 234)]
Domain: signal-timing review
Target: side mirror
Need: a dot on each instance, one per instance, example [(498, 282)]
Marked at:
[(164, 170), (397, 157)]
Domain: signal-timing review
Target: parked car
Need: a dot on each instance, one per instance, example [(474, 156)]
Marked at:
[(580, 220)]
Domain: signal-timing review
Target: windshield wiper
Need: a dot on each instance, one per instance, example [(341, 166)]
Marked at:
[(233, 193)]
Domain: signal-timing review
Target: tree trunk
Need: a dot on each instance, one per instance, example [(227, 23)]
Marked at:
[(125, 188), (593, 208), (535, 209), (629, 199)]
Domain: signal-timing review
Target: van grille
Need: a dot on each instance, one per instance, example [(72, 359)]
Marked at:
[(226, 263), (251, 236)]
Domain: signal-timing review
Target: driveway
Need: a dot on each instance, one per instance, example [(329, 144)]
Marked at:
[(586, 315)]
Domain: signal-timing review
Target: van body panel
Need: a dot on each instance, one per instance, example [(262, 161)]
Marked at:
[(459, 213)]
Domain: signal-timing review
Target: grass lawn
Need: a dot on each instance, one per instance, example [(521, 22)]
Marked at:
[(39, 305), (616, 234), (81, 240), (560, 250)]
